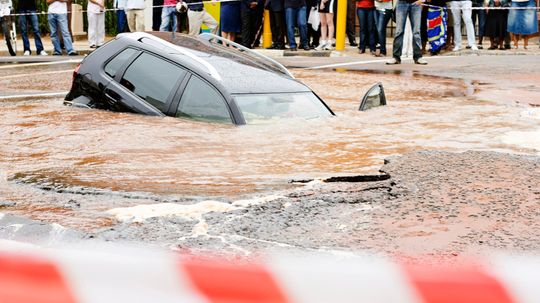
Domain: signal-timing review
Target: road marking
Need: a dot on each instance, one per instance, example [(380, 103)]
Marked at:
[(368, 62), (55, 94), (42, 63), (33, 74)]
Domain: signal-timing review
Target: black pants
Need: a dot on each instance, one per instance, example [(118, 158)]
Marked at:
[(249, 30), (277, 24), (351, 20)]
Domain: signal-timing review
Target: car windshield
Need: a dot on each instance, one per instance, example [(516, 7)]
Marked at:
[(266, 108)]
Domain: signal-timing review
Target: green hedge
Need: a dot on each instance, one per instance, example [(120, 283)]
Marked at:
[(110, 17)]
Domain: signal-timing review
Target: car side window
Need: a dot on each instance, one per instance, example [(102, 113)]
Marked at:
[(117, 62), (201, 101), (152, 79)]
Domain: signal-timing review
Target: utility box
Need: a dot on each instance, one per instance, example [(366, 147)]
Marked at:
[(77, 28)]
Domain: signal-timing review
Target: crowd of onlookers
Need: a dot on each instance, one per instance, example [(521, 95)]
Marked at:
[(418, 23)]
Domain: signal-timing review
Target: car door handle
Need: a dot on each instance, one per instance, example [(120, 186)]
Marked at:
[(111, 100)]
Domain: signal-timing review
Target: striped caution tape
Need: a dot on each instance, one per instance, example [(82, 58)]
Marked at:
[(135, 276), (487, 8)]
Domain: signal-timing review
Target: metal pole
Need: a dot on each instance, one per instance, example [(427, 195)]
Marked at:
[(267, 32), (341, 23)]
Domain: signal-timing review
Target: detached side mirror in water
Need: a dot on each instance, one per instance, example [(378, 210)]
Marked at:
[(373, 98)]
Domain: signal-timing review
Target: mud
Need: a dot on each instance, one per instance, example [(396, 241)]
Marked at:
[(441, 204)]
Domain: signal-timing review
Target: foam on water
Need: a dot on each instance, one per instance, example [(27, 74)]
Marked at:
[(140, 213), (525, 139), (256, 201)]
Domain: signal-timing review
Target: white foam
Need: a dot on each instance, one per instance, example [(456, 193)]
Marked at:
[(140, 213), (533, 113), (256, 201), (525, 139)]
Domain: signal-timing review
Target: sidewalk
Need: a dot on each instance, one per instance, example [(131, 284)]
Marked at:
[(82, 47)]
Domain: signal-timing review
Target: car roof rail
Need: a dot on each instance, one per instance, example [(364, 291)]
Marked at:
[(253, 54), (138, 36)]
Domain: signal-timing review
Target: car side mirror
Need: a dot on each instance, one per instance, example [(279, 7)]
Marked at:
[(373, 98)]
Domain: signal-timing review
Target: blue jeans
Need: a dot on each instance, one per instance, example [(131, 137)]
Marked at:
[(381, 21), (167, 13), (414, 12), (23, 20), (54, 21), (296, 16), (366, 18), (121, 21), (481, 20)]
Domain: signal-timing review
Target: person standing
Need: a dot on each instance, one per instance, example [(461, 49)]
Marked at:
[(496, 23), (96, 23), (58, 24), (231, 23), (463, 9), (327, 9), (249, 15), (28, 10), (480, 14), (277, 23), (522, 21), (350, 28), (168, 15), (412, 10), (383, 14), (121, 20), (135, 15), (198, 16), (366, 17), (296, 16)]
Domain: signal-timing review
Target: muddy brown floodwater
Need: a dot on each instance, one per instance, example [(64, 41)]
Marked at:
[(71, 166)]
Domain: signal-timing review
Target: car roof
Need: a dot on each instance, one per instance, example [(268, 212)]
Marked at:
[(240, 72)]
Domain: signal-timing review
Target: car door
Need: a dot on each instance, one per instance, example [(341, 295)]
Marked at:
[(202, 101), (147, 85)]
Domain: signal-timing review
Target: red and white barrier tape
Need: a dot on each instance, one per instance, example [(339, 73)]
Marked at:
[(132, 276)]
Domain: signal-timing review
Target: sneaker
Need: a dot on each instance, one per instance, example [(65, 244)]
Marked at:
[(43, 53), (328, 46), (73, 53), (57, 54), (456, 48), (474, 47), (420, 61), (321, 45), (393, 61), (26, 53)]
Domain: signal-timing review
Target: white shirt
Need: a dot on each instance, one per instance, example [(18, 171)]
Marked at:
[(94, 8), (135, 4), (57, 7), (120, 3)]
